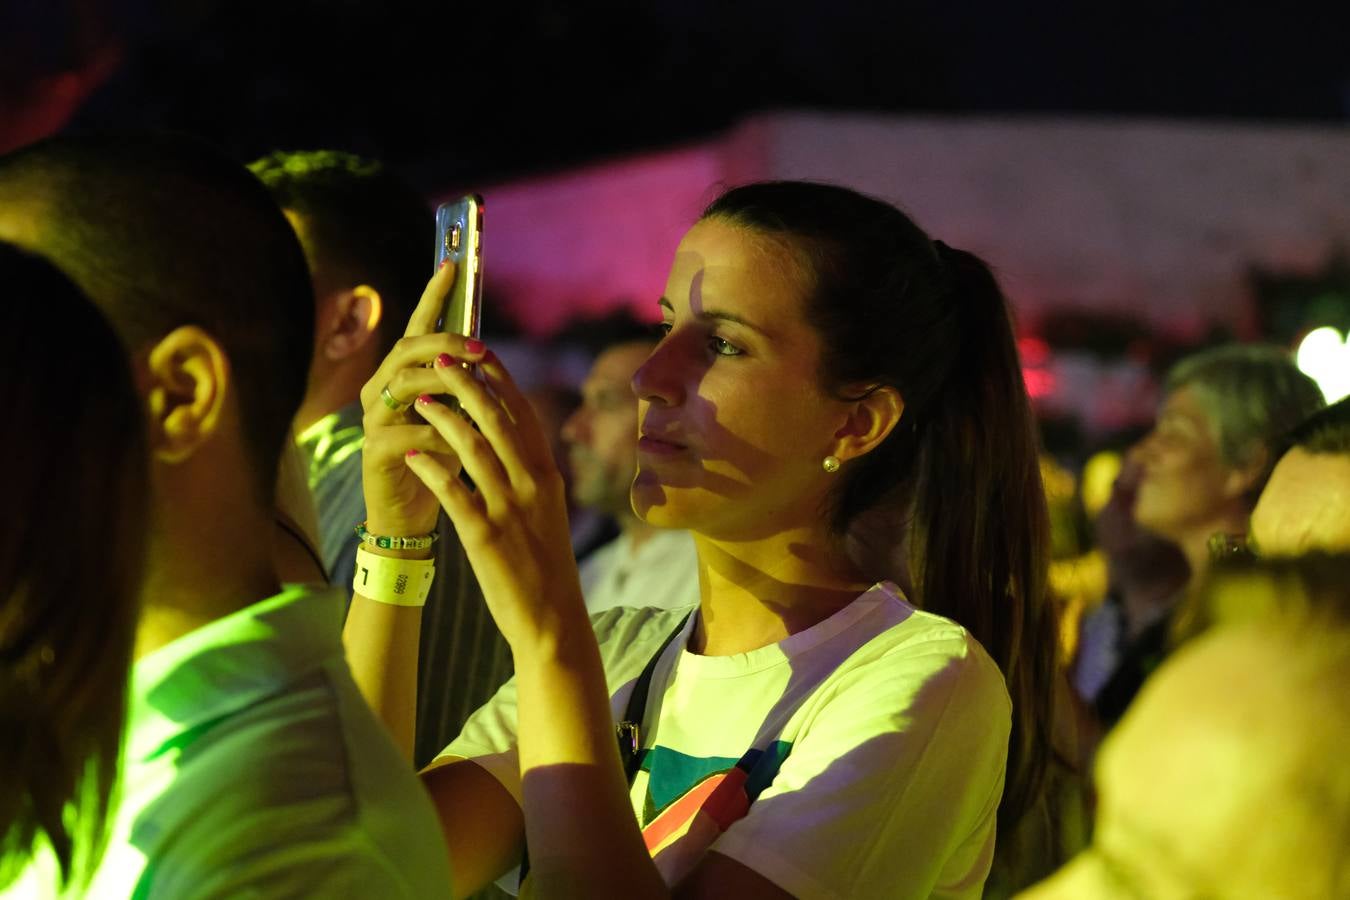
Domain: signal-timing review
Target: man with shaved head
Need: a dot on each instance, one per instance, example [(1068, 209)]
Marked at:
[(252, 767)]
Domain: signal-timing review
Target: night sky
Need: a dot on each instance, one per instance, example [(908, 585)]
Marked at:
[(453, 93)]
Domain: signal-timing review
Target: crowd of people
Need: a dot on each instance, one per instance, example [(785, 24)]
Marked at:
[(281, 620)]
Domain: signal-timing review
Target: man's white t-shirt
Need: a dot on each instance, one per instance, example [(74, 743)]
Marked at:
[(661, 571), (254, 768), (862, 757)]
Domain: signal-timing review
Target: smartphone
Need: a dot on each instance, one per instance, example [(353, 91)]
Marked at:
[(459, 238)]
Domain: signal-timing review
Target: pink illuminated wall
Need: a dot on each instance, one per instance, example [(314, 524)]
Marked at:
[(586, 240), (1160, 219)]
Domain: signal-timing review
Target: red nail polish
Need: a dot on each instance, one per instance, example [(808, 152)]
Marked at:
[(445, 359), (425, 400), (411, 453), (473, 345)]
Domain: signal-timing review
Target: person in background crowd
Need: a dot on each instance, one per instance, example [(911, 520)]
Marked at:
[(1305, 508), (1146, 574), (66, 629), (368, 240), (1201, 469), (251, 764), (1077, 571), (809, 731), (553, 403), (645, 565), (1306, 503), (1214, 443), (1227, 776)]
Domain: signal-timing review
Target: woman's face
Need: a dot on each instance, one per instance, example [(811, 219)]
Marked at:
[(734, 424), (1183, 484)]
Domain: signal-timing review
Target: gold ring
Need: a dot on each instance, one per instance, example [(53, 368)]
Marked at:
[(391, 401)]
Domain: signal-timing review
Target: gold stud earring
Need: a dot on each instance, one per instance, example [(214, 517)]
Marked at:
[(831, 464)]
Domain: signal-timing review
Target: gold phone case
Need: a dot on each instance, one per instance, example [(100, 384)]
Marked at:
[(459, 238)]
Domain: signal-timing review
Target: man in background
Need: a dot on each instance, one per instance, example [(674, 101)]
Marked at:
[(368, 239), (644, 565), (252, 766)]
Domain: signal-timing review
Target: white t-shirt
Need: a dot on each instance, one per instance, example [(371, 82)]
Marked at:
[(661, 572), (862, 757), (254, 768)]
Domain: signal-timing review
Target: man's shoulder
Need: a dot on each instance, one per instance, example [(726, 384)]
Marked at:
[(333, 447), (296, 774), (282, 751)]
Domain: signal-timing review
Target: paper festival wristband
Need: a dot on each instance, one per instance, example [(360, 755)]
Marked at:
[(398, 582)]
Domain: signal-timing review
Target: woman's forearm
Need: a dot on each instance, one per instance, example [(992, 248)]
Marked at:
[(382, 642), (583, 838)]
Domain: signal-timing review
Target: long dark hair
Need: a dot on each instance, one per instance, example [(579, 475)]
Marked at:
[(71, 557), (896, 308)]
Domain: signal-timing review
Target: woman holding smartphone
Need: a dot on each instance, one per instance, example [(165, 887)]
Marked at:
[(836, 401)]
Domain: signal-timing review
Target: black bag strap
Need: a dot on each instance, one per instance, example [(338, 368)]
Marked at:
[(629, 730)]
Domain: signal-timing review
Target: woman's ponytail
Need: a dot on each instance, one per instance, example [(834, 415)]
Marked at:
[(981, 535)]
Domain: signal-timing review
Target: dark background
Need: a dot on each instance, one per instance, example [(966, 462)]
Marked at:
[(453, 93)]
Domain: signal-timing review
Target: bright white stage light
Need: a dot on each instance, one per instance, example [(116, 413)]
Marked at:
[(1324, 356)]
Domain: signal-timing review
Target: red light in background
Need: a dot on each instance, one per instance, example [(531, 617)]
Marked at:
[(1040, 382), (1033, 350)]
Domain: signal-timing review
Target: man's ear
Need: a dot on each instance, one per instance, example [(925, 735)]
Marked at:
[(187, 383), (869, 421), (357, 314)]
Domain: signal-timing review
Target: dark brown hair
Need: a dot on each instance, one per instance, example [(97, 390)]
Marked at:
[(362, 225), (896, 308), (162, 231), (75, 487), (1327, 431)]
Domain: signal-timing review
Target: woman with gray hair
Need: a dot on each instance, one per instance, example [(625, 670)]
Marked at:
[(1200, 471), (1212, 448)]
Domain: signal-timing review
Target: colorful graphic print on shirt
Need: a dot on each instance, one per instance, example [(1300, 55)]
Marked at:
[(689, 801)]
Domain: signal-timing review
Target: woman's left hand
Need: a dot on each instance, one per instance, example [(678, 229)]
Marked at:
[(513, 522)]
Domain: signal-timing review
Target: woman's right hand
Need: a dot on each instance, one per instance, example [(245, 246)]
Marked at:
[(397, 503)]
